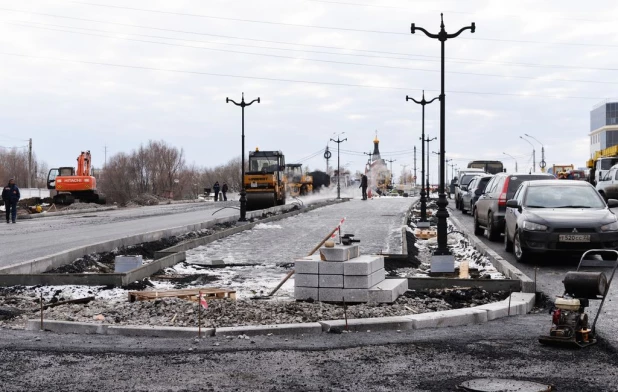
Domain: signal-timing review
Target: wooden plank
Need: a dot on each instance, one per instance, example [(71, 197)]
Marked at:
[(464, 270), (189, 294)]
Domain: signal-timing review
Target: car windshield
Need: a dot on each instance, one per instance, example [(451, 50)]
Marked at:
[(466, 178), (564, 196), (515, 182)]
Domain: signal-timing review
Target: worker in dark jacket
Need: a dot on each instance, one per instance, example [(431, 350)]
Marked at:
[(216, 189), (363, 185), (224, 191), (10, 196)]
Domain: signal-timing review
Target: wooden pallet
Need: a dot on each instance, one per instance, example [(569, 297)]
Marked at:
[(425, 234), (188, 294)]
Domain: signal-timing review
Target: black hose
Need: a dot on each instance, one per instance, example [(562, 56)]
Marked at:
[(223, 208)]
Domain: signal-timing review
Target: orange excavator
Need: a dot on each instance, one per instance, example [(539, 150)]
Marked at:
[(71, 184)]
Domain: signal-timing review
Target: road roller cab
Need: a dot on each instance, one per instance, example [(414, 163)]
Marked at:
[(264, 181)]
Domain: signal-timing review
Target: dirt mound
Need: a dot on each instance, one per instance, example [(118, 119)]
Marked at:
[(147, 199)]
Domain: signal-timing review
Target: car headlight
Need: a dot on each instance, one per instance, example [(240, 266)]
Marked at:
[(533, 226), (610, 226)]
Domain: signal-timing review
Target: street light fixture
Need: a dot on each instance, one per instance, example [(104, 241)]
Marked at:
[(338, 141), (509, 155), (243, 194), (442, 255), (542, 164), (423, 102), (533, 153)]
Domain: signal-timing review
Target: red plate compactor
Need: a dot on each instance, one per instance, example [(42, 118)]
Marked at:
[(570, 326)]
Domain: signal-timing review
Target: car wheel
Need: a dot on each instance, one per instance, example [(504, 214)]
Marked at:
[(492, 232), (521, 255), (478, 230), (508, 244), (456, 202)]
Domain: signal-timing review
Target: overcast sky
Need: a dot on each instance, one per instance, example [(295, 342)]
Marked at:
[(78, 76)]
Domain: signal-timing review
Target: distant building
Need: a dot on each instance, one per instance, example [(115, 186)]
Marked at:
[(603, 126), (376, 170)]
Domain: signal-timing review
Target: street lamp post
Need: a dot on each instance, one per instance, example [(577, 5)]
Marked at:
[(243, 193), (533, 153), (542, 164), (444, 255), (338, 141), (391, 162), (509, 155), (422, 102), (428, 188)]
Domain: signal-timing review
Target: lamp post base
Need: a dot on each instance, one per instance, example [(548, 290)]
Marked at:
[(442, 263), (243, 206)]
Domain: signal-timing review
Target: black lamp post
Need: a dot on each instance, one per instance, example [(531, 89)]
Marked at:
[(427, 140), (422, 102), (338, 141), (243, 194), (442, 214)]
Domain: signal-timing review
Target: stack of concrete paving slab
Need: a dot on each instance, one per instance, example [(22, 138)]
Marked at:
[(340, 274)]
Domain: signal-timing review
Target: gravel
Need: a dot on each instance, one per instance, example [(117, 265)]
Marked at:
[(227, 313)]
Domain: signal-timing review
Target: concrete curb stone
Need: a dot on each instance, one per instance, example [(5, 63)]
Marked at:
[(275, 329), (521, 303), (159, 332)]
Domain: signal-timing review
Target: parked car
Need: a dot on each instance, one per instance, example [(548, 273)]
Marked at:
[(608, 184), (490, 208), (472, 192), (464, 178), (558, 216)]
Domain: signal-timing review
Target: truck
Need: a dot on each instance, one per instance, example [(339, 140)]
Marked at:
[(601, 162), (265, 181), (68, 184), (555, 169), (298, 183)]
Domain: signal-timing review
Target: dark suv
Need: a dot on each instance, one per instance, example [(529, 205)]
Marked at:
[(472, 192), (490, 208)]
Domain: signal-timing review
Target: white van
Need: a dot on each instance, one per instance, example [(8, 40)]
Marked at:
[(467, 175), (608, 184)]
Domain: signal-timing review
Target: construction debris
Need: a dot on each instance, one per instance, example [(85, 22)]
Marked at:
[(188, 294), (425, 234)]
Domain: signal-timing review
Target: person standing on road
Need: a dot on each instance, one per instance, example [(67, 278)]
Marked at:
[(224, 191), (10, 196), (216, 189), (363, 186)]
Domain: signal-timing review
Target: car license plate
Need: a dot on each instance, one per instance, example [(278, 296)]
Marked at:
[(253, 184), (574, 238)]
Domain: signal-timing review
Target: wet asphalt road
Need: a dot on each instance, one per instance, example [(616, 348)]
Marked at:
[(423, 360), (549, 274)]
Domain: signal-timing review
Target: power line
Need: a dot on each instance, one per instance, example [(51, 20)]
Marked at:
[(450, 12), (288, 80), (425, 57), (328, 27), (315, 60)]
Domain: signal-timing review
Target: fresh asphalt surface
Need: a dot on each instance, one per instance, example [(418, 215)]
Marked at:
[(421, 360), (32, 238)]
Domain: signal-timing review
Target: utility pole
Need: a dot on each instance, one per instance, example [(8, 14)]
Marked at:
[(391, 162), (243, 193), (29, 164), (542, 164), (442, 255), (414, 165), (509, 155), (105, 163), (327, 156), (338, 141), (422, 102), (533, 153)]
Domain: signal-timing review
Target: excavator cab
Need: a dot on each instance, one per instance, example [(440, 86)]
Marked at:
[(264, 183), (57, 172)]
